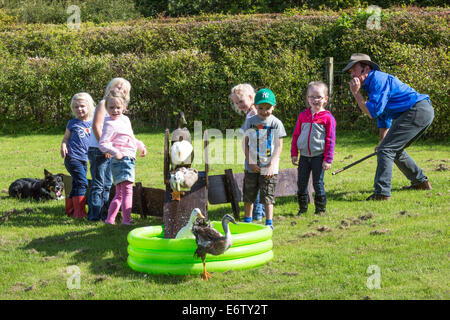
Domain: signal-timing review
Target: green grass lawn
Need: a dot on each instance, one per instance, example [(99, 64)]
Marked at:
[(410, 250)]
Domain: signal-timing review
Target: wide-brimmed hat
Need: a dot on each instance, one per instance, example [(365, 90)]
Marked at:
[(361, 57)]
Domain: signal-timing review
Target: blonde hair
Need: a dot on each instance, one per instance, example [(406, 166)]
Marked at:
[(83, 96), (114, 82), (241, 89), (322, 84), (119, 96)]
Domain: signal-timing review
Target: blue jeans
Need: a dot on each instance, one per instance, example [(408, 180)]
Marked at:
[(100, 185), (258, 208), (407, 128), (305, 166), (78, 171)]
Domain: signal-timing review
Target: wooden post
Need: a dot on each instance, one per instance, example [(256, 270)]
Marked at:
[(206, 144), (231, 187), (166, 157), (330, 80)]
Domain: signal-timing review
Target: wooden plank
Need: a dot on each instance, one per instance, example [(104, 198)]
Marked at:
[(67, 180), (139, 203), (287, 183), (286, 186), (217, 193), (153, 201)]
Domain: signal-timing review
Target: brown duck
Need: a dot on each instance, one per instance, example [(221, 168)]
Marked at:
[(211, 241)]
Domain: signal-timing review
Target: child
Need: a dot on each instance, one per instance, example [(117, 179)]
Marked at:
[(314, 136), (118, 140), (243, 96), (263, 145), (100, 162), (74, 149)]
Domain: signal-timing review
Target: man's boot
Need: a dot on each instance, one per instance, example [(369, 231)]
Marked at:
[(426, 185)]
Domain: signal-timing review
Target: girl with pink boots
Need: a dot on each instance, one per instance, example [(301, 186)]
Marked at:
[(118, 140), (74, 151)]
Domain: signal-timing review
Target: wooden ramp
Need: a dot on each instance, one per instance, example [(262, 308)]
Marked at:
[(177, 212)]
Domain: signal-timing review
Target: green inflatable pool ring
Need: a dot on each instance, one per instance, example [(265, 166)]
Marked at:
[(150, 252)]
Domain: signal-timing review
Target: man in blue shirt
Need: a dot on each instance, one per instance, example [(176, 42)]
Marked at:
[(402, 116)]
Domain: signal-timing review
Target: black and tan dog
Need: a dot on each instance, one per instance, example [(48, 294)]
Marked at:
[(51, 187)]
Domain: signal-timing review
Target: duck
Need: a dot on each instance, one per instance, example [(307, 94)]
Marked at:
[(211, 241), (181, 150), (183, 178), (181, 134), (181, 154), (186, 231)]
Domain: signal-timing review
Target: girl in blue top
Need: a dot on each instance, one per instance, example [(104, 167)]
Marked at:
[(74, 150)]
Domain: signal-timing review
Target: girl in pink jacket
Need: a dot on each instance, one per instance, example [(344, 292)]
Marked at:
[(314, 136), (118, 140)]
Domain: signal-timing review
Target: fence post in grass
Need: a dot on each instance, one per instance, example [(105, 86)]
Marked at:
[(329, 66)]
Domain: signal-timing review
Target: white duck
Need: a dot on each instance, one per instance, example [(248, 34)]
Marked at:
[(181, 153), (186, 231)]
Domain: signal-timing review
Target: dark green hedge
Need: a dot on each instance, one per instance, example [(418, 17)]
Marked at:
[(55, 11), (191, 65)]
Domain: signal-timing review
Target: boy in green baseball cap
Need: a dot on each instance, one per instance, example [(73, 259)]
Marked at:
[(264, 135)]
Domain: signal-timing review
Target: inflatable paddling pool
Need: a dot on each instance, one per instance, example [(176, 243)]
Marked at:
[(150, 252)]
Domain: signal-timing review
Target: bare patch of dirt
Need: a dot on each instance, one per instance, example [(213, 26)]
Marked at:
[(344, 224), (442, 167), (19, 286), (379, 232), (101, 279), (367, 216), (310, 234), (405, 213), (291, 274), (32, 287), (323, 228)]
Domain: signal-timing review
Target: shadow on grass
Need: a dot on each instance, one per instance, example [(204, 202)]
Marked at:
[(35, 217), (103, 247)]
